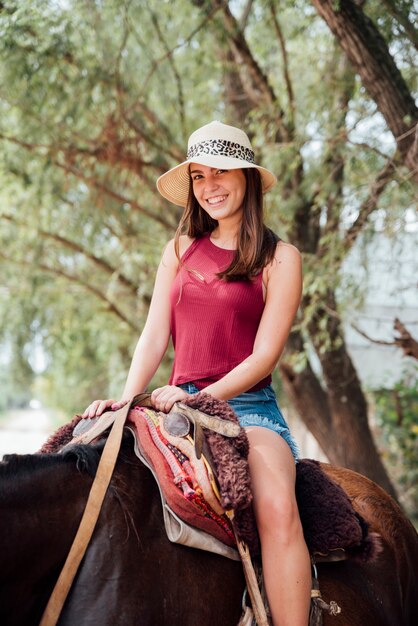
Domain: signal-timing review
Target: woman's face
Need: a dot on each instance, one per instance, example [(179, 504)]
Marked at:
[(219, 192)]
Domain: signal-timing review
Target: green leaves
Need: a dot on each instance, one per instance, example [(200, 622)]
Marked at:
[(396, 417), (98, 99)]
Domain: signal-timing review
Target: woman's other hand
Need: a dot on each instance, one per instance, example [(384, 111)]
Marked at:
[(98, 407), (163, 398)]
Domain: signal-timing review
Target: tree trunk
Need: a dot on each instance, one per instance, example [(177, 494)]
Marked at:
[(238, 106), (370, 56), (308, 396), (352, 440), (337, 418)]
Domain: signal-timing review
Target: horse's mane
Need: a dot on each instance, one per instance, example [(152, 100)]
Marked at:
[(85, 458)]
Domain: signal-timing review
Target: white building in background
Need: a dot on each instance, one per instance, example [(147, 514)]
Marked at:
[(386, 272)]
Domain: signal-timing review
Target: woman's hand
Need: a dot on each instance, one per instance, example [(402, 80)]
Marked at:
[(98, 407), (163, 398)]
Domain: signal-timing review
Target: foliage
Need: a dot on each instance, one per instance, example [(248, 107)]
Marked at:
[(396, 415), (97, 99)]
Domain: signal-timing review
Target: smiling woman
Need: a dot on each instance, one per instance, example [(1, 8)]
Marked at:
[(218, 146), (226, 292), (221, 193)]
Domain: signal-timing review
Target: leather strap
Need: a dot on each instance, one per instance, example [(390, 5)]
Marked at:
[(88, 521), (203, 420), (257, 603), (89, 429), (101, 482), (223, 427)]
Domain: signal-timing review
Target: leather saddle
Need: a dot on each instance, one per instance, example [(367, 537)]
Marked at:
[(177, 422)]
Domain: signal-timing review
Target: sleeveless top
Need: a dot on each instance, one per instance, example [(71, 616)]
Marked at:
[(213, 322)]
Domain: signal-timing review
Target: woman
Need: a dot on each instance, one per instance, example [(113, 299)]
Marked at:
[(227, 291)]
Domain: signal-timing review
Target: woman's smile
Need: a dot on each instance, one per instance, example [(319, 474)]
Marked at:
[(216, 200), (219, 192)]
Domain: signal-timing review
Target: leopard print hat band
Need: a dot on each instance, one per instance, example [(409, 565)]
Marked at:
[(221, 147), (214, 145)]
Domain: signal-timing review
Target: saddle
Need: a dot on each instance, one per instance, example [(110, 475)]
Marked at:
[(199, 452), (202, 439)]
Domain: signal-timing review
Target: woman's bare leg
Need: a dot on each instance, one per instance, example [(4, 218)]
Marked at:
[(286, 563)]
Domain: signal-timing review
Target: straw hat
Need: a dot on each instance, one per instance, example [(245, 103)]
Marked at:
[(214, 145)]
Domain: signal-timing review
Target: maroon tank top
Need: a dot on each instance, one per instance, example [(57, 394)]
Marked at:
[(213, 322)]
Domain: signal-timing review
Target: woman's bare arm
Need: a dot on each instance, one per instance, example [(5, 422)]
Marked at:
[(155, 336)]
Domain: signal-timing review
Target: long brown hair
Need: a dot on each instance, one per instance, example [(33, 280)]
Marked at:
[(256, 243)]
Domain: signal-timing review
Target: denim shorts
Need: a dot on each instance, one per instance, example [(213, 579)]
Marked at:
[(258, 408)]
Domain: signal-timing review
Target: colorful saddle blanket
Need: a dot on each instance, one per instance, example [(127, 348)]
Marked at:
[(331, 526), (186, 482)]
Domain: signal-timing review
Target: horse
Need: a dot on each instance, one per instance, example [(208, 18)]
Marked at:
[(133, 575)]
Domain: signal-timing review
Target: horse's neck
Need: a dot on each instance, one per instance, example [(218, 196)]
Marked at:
[(41, 507), (41, 502)]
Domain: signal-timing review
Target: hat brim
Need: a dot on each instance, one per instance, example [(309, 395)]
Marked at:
[(174, 184)]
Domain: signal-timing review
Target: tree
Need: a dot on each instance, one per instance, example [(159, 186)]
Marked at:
[(338, 415), (368, 52), (97, 100)]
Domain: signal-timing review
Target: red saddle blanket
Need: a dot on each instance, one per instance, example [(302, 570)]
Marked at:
[(184, 480)]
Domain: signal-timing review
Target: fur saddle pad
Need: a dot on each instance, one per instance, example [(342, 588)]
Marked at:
[(330, 523)]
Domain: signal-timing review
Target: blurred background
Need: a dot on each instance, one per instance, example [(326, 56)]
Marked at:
[(98, 98)]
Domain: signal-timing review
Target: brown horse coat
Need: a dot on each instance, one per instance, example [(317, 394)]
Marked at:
[(132, 575), (385, 591)]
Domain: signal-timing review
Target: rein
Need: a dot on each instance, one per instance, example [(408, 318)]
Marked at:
[(88, 521)]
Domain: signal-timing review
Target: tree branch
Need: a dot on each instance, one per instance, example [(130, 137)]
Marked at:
[(170, 52), (342, 79), (75, 247), (366, 146), (286, 73), (92, 182), (379, 342), (169, 149), (370, 56), (384, 177), (177, 77), (245, 14), (405, 341), (254, 81), (410, 31), (111, 307), (125, 37), (408, 344)]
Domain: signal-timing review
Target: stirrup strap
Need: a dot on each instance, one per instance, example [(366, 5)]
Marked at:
[(88, 521), (252, 585)]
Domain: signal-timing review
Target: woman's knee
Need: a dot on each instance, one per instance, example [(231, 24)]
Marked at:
[(278, 515)]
